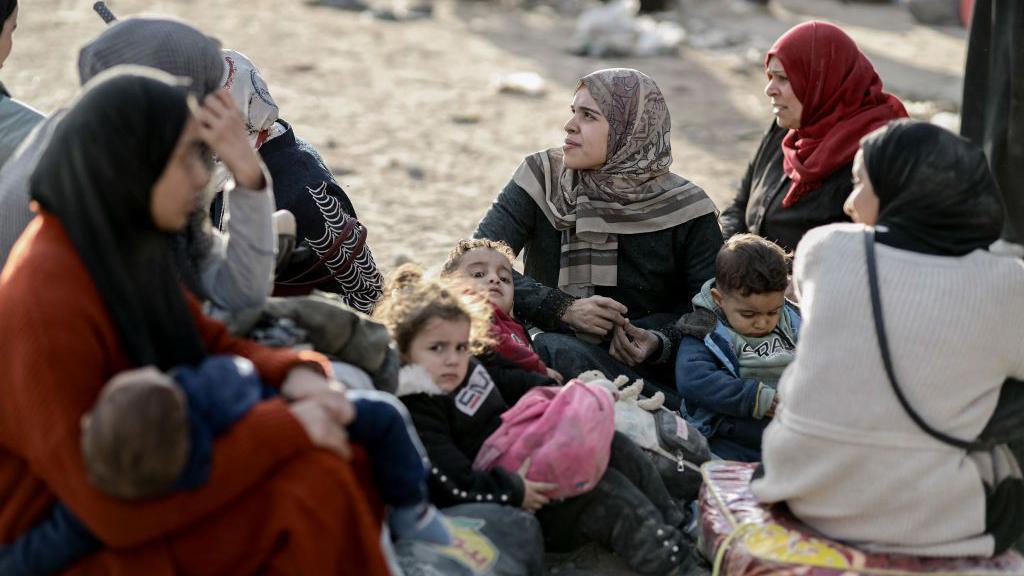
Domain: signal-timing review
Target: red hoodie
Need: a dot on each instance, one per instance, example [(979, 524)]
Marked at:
[(513, 344)]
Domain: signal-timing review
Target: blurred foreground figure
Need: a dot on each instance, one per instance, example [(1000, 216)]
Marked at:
[(993, 104)]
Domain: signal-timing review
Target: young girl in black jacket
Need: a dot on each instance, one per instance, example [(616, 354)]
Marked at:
[(456, 400)]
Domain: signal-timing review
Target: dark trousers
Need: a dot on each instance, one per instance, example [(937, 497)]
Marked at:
[(993, 106), (571, 356), (383, 426), (629, 512)]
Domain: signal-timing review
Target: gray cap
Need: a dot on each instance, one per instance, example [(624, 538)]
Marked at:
[(161, 43)]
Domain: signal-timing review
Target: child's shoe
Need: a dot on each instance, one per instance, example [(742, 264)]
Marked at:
[(422, 522)]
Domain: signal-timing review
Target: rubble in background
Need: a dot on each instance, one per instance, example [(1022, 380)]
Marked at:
[(617, 30)]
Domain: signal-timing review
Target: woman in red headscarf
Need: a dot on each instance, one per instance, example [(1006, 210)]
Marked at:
[(825, 96)]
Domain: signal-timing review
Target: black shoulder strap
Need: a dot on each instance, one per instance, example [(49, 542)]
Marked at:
[(883, 345)]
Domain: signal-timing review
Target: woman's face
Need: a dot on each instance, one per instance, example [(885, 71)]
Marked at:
[(442, 347), (7, 36), (785, 105), (862, 205), (176, 193), (586, 134)]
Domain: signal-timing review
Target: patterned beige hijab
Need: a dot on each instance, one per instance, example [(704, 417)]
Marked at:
[(631, 193)]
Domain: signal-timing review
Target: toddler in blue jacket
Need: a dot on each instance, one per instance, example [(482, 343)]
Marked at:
[(736, 344), (152, 433)]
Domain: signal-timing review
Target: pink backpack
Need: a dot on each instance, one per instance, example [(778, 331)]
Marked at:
[(567, 433)]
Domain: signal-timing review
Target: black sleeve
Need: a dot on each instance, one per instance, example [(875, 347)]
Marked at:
[(452, 478), (734, 218), (696, 249), (512, 380), (511, 219), (697, 246)]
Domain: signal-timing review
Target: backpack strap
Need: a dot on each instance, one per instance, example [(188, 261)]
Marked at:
[(883, 346)]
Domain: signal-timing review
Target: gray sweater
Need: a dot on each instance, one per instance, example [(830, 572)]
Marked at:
[(841, 452)]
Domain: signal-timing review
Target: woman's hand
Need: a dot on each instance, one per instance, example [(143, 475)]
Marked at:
[(304, 382), (533, 492), (318, 416), (775, 406), (595, 315), (632, 345), (222, 127)]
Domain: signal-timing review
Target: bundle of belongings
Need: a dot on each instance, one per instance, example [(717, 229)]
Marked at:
[(675, 447), (745, 537), (490, 540)]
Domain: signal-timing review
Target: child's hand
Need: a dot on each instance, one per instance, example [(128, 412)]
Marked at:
[(771, 409), (533, 492), (321, 424), (222, 127), (556, 376), (595, 315), (632, 345)]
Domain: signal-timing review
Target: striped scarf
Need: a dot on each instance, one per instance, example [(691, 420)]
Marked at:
[(633, 192)]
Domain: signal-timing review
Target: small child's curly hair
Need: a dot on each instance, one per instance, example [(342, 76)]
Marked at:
[(454, 260), (410, 301), (748, 264)]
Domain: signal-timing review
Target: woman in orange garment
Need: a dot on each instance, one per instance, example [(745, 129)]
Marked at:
[(90, 290)]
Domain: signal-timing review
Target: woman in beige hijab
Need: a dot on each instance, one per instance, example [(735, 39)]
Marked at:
[(615, 245)]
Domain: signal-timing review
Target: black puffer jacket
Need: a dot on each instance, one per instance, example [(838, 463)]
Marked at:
[(758, 209), (453, 427)]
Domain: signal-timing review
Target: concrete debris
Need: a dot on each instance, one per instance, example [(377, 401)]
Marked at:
[(616, 30), (521, 83)]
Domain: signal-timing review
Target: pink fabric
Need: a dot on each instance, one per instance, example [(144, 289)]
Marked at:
[(566, 432)]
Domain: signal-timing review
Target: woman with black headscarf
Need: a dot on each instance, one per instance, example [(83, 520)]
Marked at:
[(879, 458), (91, 290)]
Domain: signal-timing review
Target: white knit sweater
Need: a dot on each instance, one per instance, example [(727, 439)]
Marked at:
[(842, 452)]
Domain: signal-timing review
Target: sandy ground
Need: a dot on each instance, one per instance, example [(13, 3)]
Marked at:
[(407, 116)]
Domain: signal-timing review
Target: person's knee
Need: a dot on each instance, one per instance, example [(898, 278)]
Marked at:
[(380, 412), (353, 377), (568, 354), (546, 345)]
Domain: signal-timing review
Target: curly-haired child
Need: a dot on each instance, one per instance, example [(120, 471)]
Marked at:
[(456, 403)]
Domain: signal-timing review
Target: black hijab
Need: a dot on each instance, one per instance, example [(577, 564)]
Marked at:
[(936, 193), (97, 177), (6, 9)]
